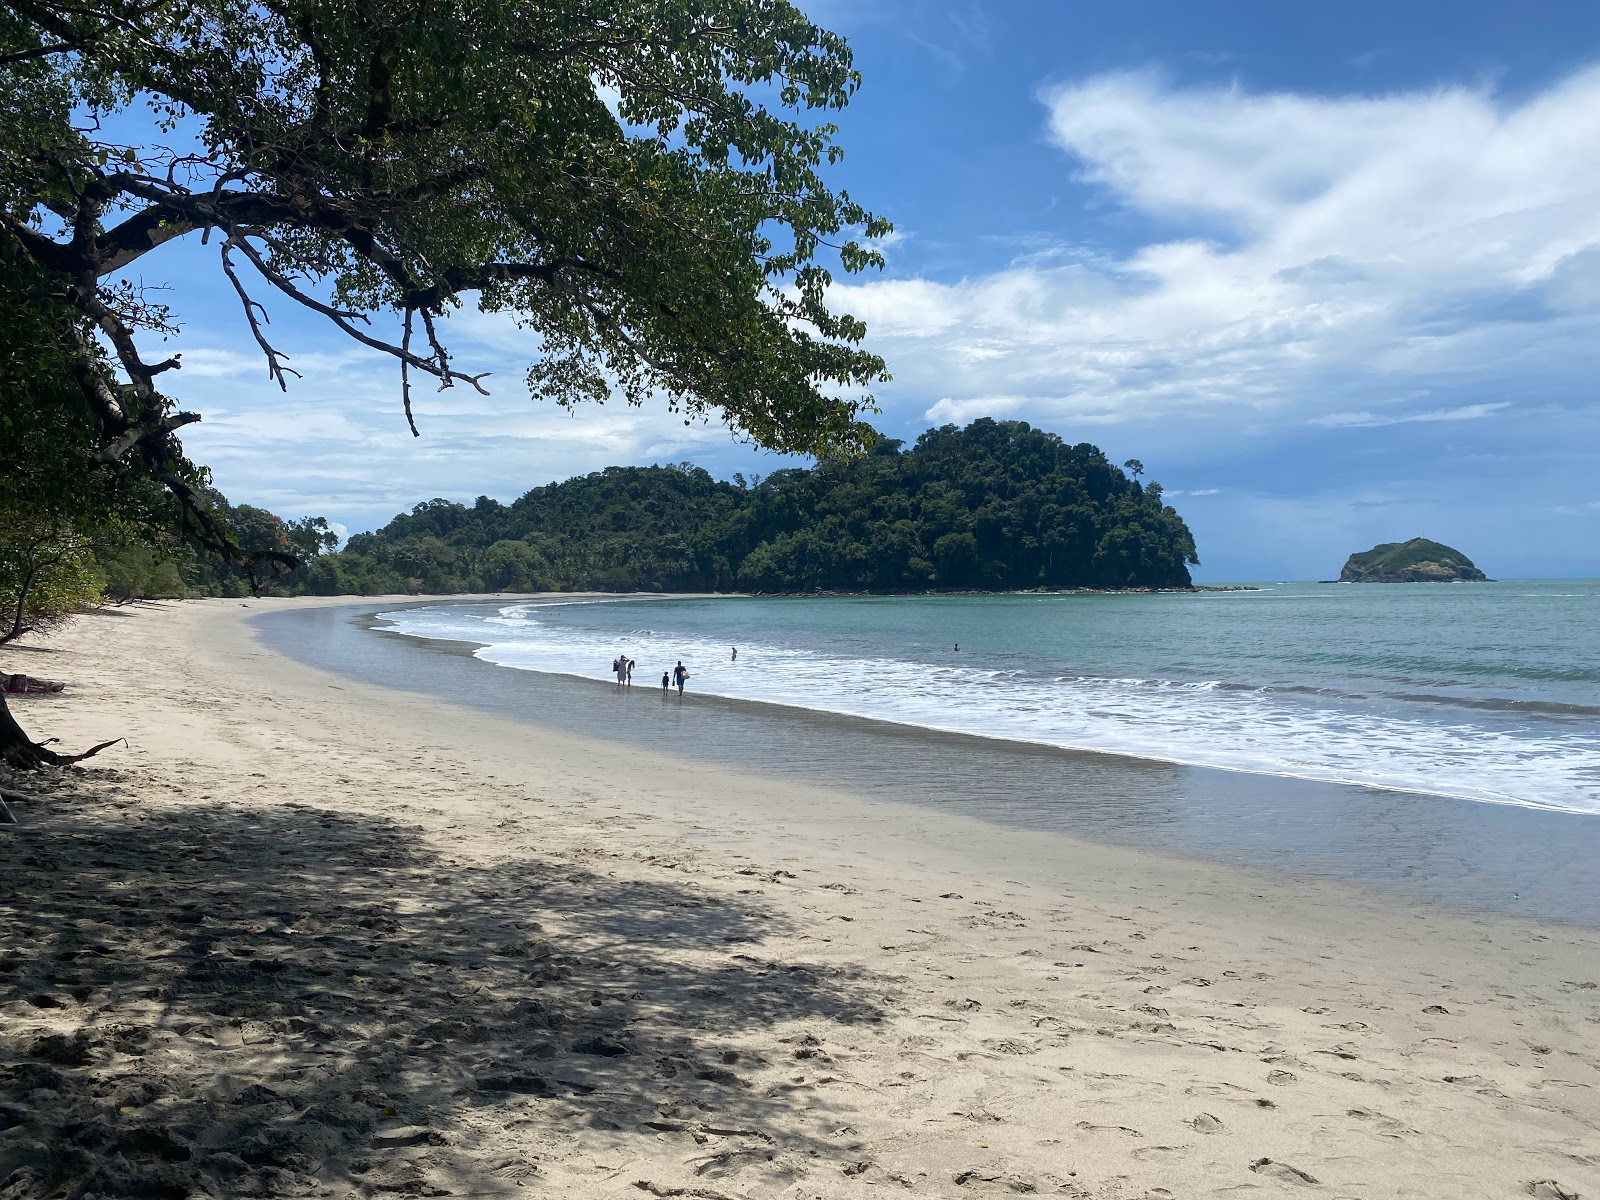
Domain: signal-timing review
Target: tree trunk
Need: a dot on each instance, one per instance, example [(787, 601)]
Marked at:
[(17, 627), (19, 750)]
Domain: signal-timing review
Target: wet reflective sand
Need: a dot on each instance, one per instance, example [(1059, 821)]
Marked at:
[(1462, 853)]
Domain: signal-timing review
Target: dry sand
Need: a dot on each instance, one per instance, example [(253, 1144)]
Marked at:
[(305, 937)]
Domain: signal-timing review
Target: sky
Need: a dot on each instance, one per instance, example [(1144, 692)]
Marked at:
[(1331, 272)]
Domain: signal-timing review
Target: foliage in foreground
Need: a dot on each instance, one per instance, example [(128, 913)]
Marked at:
[(637, 184), (997, 505)]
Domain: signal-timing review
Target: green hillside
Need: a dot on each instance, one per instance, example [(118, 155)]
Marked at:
[(996, 505)]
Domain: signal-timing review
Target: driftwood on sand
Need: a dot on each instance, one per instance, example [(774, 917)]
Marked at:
[(20, 751)]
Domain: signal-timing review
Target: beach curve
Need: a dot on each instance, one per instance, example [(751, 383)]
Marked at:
[(304, 931)]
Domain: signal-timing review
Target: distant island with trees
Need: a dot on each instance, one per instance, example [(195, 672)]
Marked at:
[(1420, 560)]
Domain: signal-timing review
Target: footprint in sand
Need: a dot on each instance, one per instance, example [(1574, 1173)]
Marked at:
[(1143, 1152), (1282, 1171), (1549, 1189), (1282, 1077), (1384, 1124), (1205, 1123)]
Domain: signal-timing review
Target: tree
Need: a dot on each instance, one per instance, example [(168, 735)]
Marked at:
[(46, 575), (311, 537), (636, 182)]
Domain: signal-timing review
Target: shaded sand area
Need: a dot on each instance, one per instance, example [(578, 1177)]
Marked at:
[(306, 937)]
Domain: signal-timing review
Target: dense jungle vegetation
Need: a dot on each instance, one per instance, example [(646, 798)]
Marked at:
[(996, 505)]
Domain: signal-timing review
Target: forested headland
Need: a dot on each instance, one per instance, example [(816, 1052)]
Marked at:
[(997, 505)]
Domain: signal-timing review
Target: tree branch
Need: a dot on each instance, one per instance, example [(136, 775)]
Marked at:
[(112, 453), (40, 52), (275, 368), (405, 374)]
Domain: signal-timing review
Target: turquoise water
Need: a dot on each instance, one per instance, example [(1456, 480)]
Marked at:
[(1489, 692)]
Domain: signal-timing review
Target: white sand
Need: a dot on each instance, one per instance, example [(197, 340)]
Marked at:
[(308, 937)]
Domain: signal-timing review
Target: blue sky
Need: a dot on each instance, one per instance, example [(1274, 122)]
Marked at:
[(1331, 272)]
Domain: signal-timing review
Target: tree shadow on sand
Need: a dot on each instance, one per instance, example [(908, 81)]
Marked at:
[(230, 1001)]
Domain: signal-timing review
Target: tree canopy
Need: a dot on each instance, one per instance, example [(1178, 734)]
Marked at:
[(378, 163), (997, 505), (638, 184)]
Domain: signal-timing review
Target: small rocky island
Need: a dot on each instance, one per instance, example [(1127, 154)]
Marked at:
[(1417, 561)]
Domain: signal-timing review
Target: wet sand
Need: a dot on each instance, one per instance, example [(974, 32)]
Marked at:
[(309, 936), (1466, 854)]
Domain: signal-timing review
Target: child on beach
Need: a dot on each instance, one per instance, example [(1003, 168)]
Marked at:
[(666, 681)]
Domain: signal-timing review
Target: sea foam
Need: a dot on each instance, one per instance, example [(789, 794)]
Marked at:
[(1317, 734)]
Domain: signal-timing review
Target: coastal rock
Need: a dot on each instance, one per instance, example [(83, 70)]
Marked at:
[(1417, 561)]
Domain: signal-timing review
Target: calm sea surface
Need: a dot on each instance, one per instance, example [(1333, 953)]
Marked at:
[(1440, 739)]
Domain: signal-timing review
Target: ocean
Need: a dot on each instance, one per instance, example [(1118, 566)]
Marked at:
[(1437, 739), (1489, 692)]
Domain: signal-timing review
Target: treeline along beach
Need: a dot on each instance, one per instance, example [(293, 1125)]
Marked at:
[(996, 505)]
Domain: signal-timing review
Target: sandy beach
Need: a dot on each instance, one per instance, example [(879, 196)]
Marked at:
[(303, 936)]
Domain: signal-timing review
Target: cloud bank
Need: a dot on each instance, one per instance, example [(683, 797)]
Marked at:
[(1292, 258)]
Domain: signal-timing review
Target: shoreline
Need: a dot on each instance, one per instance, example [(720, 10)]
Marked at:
[(1350, 725), (745, 986), (467, 648), (1464, 855)]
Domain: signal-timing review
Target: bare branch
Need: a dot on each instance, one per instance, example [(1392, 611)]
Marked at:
[(112, 453), (439, 354), (446, 375), (405, 375), (275, 358), (240, 239), (39, 52)]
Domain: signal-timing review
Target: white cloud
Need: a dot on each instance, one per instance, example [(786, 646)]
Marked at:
[(1309, 250), (208, 362), (214, 362), (1367, 420), (959, 412)]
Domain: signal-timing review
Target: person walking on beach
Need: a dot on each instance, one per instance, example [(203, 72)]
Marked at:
[(679, 674), (735, 654), (631, 665), (621, 668), (666, 681)]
